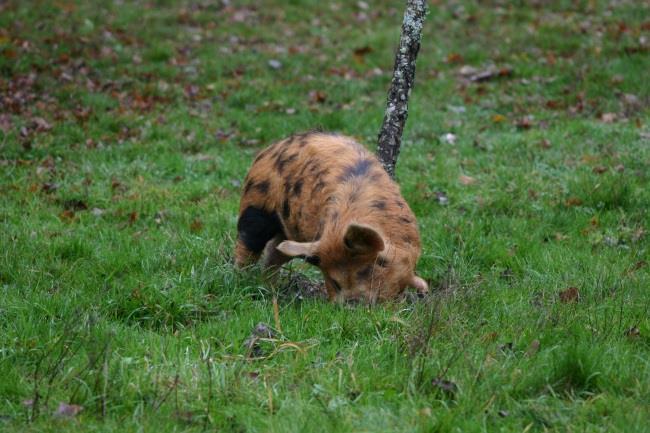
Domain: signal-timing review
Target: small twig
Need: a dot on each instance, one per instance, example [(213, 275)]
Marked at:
[(105, 384), (35, 394), (208, 366), (269, 392), (167, 393), (276, 314)]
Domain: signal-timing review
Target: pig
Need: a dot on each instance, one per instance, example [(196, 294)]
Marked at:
[(325, 198)]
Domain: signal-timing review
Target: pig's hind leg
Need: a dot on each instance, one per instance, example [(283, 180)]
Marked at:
[(255, 229), (272, 258)]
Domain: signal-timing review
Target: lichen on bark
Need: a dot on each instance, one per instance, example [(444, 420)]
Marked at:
[(390, 135)]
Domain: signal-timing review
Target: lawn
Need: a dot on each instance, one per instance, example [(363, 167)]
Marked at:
[(126, 128)]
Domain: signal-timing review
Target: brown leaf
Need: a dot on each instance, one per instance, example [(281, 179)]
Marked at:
[(117, 186), (317, 96), (533, 348), (525, 122), (553, 104), (498, 118), (67, 215), (608, 117), (491, 72), (570, 295), (466, 180), (599, 169), (133, 217), (454, 58), (67, 410), (638, 265), (41, 125), (359, 54), (489, 337), (196, 225), (572, 201)]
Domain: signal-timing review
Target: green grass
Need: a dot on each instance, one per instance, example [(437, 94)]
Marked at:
[(118, 214)]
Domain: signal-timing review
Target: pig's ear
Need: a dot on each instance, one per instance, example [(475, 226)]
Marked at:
[(419, 284), (362, 240), (298, 249)]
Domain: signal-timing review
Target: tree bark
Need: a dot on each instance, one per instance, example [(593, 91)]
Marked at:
[(390, 135)]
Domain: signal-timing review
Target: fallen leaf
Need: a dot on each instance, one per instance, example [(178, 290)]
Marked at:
[(133, 217), (525, 122), (196, 225), (454, 58), (317, 96), (67, 215), (599, 169), (466, 180), (631, 100), (553, 104), (49, 187), (633, 332), (489, 73), (572, 201), (359, 54), (608, 117), (617, 79), (467, 71), (569, 295), (446, 386), (560, 237), (533, 348), (67, 410), (498, 118), (275, 64), (116, 185), (490, 336)]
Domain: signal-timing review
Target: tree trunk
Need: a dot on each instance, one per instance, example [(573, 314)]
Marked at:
[(390, 136)]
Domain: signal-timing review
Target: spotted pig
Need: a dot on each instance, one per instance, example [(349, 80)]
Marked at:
[(325, 198)]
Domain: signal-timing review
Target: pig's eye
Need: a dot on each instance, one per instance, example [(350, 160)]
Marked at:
[(336, 285)]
